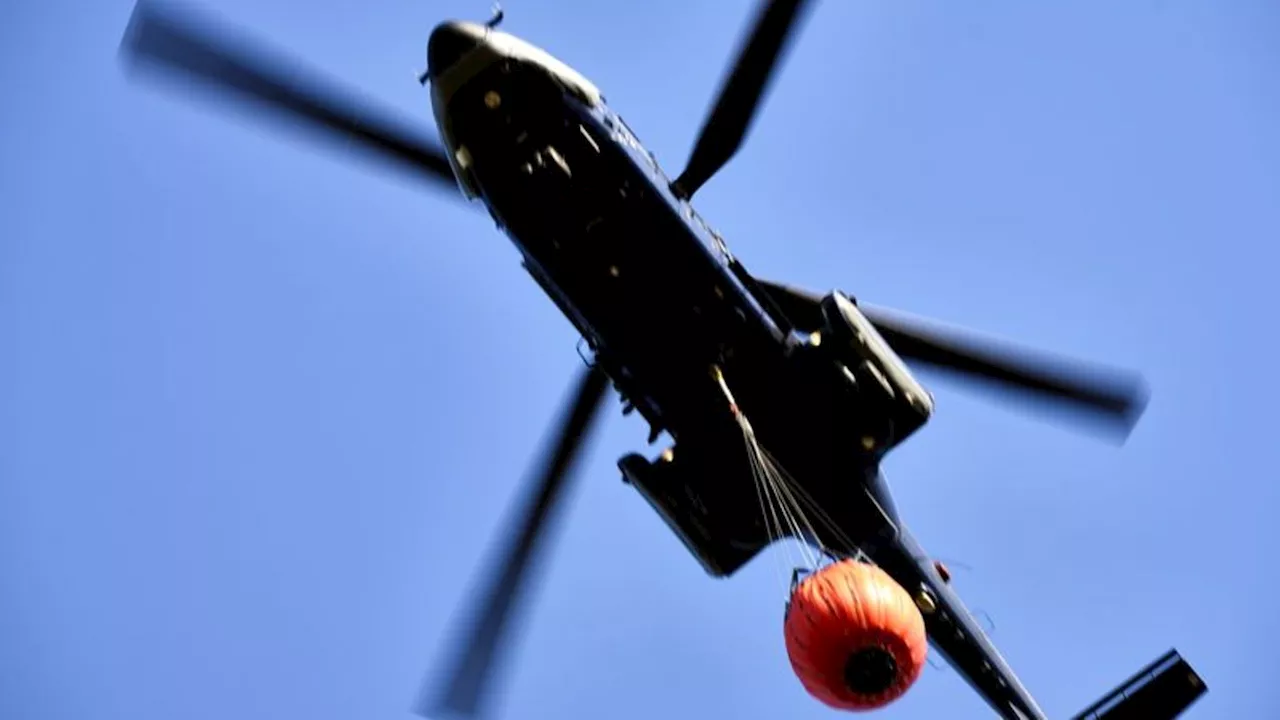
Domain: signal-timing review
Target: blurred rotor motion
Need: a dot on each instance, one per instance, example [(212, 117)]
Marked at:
[(182, 45), (1110, 400), (1113, 398), (178, 45), (733, 111), (467, 678)]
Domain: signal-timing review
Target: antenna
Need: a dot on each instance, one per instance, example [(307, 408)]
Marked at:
[(497, 16)]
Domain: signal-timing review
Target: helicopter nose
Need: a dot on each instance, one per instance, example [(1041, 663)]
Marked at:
[(448, 43)]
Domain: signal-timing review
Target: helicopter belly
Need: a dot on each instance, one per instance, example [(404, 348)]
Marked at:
[(604, 240)]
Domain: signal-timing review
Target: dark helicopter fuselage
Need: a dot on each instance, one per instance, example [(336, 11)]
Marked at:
[(660, 302), (782, 403)]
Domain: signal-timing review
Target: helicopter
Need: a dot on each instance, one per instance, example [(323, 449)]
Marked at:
[(740, 371)]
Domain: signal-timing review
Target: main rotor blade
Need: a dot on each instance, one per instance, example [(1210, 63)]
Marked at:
[(177, 42), (735, 108), (468, 678), (1110, 395), (1115, 397)]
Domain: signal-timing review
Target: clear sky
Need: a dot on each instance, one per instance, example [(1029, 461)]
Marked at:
[(249, 391)]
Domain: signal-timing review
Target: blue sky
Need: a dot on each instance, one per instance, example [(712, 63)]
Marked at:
[(247, 390)]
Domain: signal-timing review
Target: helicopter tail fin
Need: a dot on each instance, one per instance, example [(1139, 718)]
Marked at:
[(1159, 691)]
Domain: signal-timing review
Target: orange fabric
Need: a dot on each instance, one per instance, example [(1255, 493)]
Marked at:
[(847, 607)]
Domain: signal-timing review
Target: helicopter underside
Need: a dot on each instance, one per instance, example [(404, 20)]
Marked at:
[(691, 341), (657, 308), (630, 267)]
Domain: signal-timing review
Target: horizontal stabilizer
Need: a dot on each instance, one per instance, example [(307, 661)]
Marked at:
[(1160, 691)]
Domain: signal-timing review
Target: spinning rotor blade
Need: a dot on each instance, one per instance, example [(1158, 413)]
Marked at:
[(1115, 397), (469, 674), (735, 108), (177, 42)]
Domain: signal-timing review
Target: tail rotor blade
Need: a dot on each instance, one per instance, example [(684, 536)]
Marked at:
[(735, 108), (183, 46), (469, 675)]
